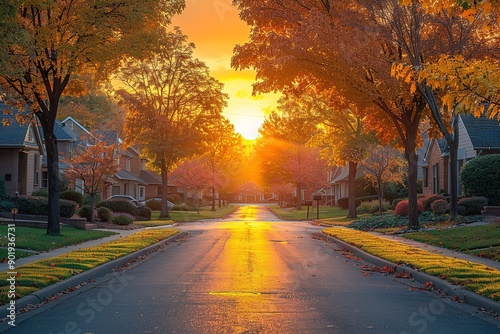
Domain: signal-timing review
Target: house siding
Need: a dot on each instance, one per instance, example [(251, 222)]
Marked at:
[(9, 159), (434, 162)]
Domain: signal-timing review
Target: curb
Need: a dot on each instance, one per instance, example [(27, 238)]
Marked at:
[(452, 290), (40, 295)]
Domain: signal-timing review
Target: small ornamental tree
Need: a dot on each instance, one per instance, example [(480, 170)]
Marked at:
[(92, 165), (481, 177), (383, 165)]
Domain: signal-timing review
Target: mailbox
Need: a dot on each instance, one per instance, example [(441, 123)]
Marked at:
[(317, 197)]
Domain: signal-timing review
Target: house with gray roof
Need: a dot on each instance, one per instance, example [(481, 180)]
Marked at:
[(21, 149), (478, 136)]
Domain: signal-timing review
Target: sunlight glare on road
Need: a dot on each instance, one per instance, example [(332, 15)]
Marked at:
[(250, 271)]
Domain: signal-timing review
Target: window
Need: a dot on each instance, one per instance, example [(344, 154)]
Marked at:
[(426, 177), (45, 179), (141, 193), (435, 179), (8, 177), (36, 172)]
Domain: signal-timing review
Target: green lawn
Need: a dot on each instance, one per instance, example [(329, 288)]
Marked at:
[(38, 240), (483, 240), (332, 215), (187, 216), (18, 253)]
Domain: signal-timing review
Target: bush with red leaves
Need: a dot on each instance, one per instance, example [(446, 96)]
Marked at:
[(401, 208)]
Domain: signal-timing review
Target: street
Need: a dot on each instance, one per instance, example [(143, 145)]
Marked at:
[(252, 273)]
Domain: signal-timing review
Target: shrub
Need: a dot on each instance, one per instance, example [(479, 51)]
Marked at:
[(396, 201), (104, 214), (85, 212), (87, 199), (176, 199), (401, 208), (144, 211), (480, 177), (40, 206), (439, 206), (183, 207), (119, 206), (122, 218), (154, 204), (371, 207), (343, 202), (428, 200), (72, 195), (3, 190), (41, 193), (67, 208), (6, 205), (471, 205)]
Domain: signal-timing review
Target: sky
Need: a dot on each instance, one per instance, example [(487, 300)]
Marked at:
[(215, 28)]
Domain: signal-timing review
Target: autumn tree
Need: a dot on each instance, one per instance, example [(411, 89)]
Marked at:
[(191, 174), (172, 103), (450, 55), (90, 167), (46, 43), (345, 47), (342, 134), (383, 165), (223, 152), (93, 109), (284, 156)]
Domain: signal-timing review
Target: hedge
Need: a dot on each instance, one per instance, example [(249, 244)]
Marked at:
[(480, 177), (119, 206), (40, 206)]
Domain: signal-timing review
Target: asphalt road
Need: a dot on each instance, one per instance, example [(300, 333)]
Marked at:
[(254, 274)]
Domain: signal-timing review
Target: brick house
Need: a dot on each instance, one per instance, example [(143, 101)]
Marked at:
[(477, 137)]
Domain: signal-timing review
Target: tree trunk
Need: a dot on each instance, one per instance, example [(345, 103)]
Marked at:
[(351, 179), (164, 213), (454, 170), (185, 199), (92, 208), (213, 198), (380, 196), (412, 188), (52, 152), (299, 197)]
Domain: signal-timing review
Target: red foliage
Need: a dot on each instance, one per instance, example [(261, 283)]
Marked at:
[(401, 208)]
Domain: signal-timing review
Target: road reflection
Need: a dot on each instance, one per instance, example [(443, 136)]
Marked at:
[(250, 275)]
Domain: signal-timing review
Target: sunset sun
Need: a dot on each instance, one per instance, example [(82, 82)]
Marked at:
[(222, 30)]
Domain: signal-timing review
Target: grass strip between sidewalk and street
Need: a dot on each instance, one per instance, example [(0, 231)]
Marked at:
[(42, 273), (474, 277)]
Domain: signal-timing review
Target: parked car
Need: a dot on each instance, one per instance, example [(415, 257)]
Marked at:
[(124, 198), (169, 204)]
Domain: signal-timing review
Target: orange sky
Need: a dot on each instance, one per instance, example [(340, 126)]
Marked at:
[(215, 28)]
